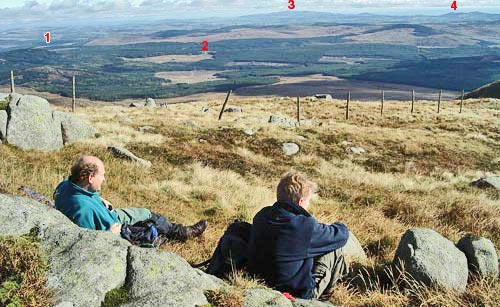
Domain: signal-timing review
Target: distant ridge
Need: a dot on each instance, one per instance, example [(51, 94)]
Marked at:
[(491, 90)]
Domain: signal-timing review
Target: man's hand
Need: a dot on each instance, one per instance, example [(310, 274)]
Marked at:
[(116, 228)]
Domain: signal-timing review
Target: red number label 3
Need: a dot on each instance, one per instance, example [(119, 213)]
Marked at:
[(291, 4), (47, 37), (454, 5), (204, 45)]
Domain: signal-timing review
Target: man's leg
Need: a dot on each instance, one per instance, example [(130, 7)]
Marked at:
[(327, 270), (178, 232), (131, 216)]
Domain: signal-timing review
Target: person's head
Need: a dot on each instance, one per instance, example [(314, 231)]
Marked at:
[(88, 173), (294, 186)]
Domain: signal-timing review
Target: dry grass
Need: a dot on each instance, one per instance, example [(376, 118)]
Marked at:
[(416, 172)]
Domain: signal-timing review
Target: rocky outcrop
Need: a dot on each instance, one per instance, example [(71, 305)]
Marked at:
[(353, 251), (31, 124), (73, 128), (150, 103), (492, 182), (481, 255), (125, 154), (267, 298), (84, 264), (282, 121), (432, 259), (3, 124), (290, 149)]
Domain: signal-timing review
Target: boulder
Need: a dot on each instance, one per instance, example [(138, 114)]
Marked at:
[(123, 153), (205, 109), (481, 255), (290, 149), (31, 124), (161, 278), (282, 121), (73, 129), (83, 264), (248, 132), (356, 150), (233, 110), (487, 182), (190, 123), (265, 297), (432, 259), (150, 103), (145, 128), (310, 303), (3, 124), (353, 251), (137, 104)]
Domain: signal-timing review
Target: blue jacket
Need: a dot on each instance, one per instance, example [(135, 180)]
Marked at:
[(284, 240), (83, 207)]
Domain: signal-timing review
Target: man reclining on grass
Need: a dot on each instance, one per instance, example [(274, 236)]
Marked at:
[(78, 198), (292, 251)]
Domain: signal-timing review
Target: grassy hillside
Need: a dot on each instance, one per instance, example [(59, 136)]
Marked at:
[(491, 90), (416, 173)]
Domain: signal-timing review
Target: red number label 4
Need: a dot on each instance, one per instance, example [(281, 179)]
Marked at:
[(291, 4), (47, 37), (454, 5), (204, 45)]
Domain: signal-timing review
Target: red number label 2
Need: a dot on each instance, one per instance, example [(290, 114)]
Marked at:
[(454, 5), (204, 45), (291, 4), (47, 37)]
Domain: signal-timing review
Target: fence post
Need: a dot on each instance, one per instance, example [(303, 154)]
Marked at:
[(12, 88), (347, 106), (73, 104), (412, 100), (462, 101), (439, 100), (224, 105), (382, 105), (298, 110)]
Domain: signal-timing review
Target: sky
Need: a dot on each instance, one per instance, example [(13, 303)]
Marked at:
[(16, 11)]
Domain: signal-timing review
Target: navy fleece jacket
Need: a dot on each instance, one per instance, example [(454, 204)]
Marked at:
[(284, 240)]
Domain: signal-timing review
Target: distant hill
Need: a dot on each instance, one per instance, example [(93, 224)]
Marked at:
[(491, 90)]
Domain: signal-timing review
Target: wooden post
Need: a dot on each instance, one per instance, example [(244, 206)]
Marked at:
[(298, 110), (12, 88), (439, 100), (382, 105), (412, 100), (73, 104), (347, 106), (462, 101), (224, 105)]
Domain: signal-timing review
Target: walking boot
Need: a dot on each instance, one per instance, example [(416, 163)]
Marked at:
[(197, 229)]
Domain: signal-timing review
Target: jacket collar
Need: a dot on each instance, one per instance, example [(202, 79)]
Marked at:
[(81, 190), (291, 207)]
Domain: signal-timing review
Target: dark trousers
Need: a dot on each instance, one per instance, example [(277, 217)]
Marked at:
[(327, 270)]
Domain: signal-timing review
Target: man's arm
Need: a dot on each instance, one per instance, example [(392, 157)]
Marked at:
[(326, 238)]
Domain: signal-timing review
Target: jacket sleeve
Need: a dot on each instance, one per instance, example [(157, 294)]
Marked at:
[(326, 238)]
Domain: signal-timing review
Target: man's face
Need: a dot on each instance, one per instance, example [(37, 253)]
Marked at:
[(304, 201), (95, 181)]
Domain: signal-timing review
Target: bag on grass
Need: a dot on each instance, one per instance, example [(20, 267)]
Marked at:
[(231, 251)]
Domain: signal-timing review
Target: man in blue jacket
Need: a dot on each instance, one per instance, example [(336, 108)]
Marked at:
[(292, 251), (78, 198)]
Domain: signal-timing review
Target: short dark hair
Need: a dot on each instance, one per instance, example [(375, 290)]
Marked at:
[(293, 186), (82, 169)]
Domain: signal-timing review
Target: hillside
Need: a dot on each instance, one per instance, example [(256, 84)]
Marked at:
[(415, 173), (491, 90)]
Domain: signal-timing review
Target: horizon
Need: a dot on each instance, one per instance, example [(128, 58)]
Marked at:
[(81, 11)]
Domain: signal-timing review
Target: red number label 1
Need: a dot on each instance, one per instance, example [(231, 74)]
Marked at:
[(291, 4), (47, 37), (454, 5), (204, 45)]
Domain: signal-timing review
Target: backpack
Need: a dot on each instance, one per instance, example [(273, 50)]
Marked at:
[(231, 251), (144, 234)]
